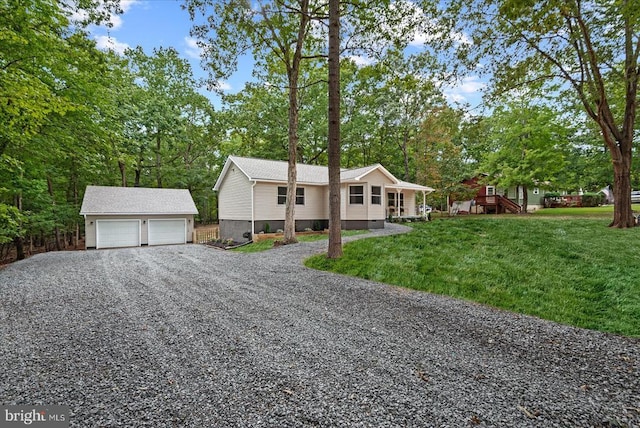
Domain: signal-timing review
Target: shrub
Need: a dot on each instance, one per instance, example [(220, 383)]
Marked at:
[(592, 199), (267, 228)]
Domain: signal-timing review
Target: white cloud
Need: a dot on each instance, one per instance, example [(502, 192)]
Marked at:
[(224, 85), (220, 85), (471, 84), (470, 87), (127, 4), (192, 50), (110, 43), (116, 20), (421, 38), (361, 61)]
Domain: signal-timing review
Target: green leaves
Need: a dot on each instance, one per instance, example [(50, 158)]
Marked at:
[(525, 145)]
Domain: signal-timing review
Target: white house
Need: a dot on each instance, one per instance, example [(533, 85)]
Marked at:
[(252, 197), (135, 216)]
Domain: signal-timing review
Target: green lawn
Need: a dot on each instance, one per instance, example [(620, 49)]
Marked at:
[(268, 243), (575, 271), (604, 211)]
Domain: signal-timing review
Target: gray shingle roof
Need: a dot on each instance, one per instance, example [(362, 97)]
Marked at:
[(276, 171), (136, 200), (272, 170)]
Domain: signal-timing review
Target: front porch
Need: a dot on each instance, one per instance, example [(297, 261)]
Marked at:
[(401, 202)]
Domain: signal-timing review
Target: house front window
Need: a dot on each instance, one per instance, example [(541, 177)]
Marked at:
[(282, 195), (356, 195), (376, 195), (491, 191), (536, 191)]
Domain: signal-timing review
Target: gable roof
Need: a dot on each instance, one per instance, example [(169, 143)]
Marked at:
[(358, 174), (277, 171), (136, 200)]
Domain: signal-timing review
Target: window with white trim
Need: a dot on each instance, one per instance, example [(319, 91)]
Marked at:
[(376, 195), (356, 195), (491, 191), (282, 195)]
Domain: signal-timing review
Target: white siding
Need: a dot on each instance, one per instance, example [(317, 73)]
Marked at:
[(409, 202), (267, 208), (90, 225), (316, 203), (234, 196), (366, 211), (266, 202), (357, 211)]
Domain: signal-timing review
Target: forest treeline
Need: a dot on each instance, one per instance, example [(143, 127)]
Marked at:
[(73, 115)]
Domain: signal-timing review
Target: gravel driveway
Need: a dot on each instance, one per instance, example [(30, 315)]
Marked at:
[(196, 337)]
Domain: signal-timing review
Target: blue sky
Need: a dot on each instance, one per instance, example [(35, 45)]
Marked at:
[(163, 23)]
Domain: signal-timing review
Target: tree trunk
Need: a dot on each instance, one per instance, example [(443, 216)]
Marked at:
[(622, 213), (405, 154), (123, 172), (158, 161), (19, 243), (18, 240), (138, 170), (334, 250), (53, 204), (292, 173), (525, 199), (76, 236), (293, 72), (621, 158)]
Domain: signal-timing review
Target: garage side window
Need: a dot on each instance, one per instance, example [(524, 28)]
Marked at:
[(356, 195), (282, 195)]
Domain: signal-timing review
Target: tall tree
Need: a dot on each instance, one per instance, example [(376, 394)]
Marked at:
[(267, 29), (526, 144), (439, 153), (50, 75), (590, 47), (334, 250), (284, 30)]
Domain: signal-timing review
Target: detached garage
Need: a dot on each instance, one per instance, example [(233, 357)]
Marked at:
[(135, 216)]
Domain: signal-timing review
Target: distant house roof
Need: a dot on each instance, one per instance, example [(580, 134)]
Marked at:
[(136, 200), (276, 171)]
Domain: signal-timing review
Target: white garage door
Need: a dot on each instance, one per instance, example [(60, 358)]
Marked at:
[(163, 232), (117, 233)]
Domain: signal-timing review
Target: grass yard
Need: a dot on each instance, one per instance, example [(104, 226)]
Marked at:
[(603, 211), (576, 271), (268, 243)]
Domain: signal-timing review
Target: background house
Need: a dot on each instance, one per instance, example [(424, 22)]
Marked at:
[(252, 197), (135, 216), (489, 199)]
